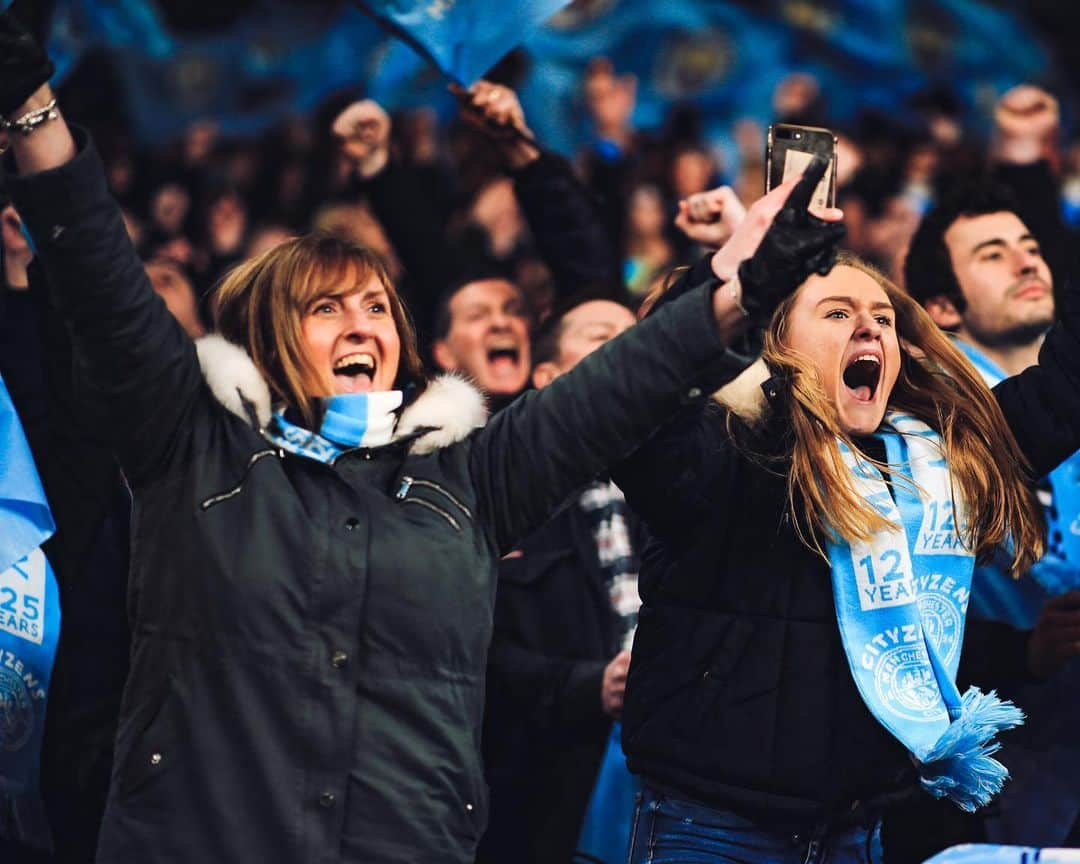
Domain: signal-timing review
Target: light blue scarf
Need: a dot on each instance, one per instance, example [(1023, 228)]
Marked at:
[(1058, 571), (29, 629), (901, 600), (351, 421)]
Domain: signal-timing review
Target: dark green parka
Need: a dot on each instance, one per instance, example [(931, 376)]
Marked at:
[(309, 640)]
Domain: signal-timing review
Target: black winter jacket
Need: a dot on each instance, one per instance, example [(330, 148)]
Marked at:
[(739, 693), (309, 640), (544, 726)]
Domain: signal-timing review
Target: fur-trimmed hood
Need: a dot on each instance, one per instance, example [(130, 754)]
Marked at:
[(745, 395), (445, 413)]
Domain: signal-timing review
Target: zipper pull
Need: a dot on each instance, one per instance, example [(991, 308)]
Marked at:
[(403, 489)]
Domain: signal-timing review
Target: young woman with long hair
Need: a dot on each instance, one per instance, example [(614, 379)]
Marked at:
[(815, 530), (316, 525)]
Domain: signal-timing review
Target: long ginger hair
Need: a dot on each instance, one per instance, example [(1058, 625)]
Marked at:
[(936, 384)]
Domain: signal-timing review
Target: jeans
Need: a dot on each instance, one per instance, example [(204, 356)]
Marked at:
[(667, 830)]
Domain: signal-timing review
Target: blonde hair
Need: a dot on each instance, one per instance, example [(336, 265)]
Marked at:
[(260, 303), (936, 384)]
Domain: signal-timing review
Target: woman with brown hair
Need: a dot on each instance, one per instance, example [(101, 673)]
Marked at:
[(316, 526), (797, 652)]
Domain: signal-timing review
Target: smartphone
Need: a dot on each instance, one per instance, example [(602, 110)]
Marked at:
[(789, 149)]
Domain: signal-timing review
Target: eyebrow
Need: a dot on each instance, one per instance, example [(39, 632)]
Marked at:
[(880, 304), (998, 241)]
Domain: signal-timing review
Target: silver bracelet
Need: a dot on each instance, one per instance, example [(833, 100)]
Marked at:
[(31, 119)]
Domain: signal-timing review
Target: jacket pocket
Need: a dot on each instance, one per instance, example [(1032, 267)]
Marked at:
[(235, 490), (435, 498), (153, 749)]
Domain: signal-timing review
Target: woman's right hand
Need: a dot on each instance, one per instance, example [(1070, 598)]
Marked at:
[(24, 66), (780, 242)]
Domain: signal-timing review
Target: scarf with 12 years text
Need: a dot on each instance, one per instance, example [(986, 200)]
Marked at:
[(901, 600)]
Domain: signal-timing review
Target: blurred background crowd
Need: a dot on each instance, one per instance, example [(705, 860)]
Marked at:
[(227, 128), (216, 119)]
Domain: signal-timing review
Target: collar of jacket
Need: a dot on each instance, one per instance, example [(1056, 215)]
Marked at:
[(754, 390), (445, 413)]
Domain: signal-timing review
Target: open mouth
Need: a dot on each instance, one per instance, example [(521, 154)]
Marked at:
[(356, 369), (862, 375), (503, 355)]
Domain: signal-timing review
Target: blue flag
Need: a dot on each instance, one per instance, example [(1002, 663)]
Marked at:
[(29, 628), (464, 38)]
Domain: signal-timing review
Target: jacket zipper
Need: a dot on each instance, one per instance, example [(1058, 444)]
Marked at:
[(435, 508), (408, 482), (225, 496)]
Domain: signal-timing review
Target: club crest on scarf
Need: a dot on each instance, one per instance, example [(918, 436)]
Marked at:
[(901, 600)]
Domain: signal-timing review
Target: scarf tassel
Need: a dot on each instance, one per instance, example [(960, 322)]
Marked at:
[(960, 766)]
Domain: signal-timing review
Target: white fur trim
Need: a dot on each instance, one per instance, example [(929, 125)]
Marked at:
[(230, 372), (451, 405), (743, 395)]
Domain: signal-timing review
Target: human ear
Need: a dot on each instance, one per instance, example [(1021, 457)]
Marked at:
[(544, 374), (943, 312), (443, 356)]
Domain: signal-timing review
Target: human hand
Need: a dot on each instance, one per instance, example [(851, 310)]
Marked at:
[(24, 66), (614, 684), (363, 132), (780, 242), (1026, 119), (711, 217), (1056, 637), (496, 110)]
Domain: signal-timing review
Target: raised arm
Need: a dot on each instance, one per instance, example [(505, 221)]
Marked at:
[(1042, 403), (565, 219), (413, 216), (133, 364), (534, 453)]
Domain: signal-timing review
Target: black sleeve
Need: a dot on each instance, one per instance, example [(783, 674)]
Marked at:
[(1042, 403), (994, 658), (1038, 204), (535, 452), (134, 367), (572, 238), (415, 220), (553, 692)]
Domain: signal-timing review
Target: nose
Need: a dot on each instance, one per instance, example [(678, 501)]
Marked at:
[(867, 327), (358, 325), (1027, 262), (500, 320)]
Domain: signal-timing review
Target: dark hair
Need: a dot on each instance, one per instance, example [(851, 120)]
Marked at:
[(545, 342), (928, 270), (470, 265), (545, 345)]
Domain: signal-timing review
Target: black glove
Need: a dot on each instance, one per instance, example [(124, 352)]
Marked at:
[(796, 245), (24, 66)]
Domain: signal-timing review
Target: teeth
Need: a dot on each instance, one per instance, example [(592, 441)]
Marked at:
[(873, 358), (360, 359)]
